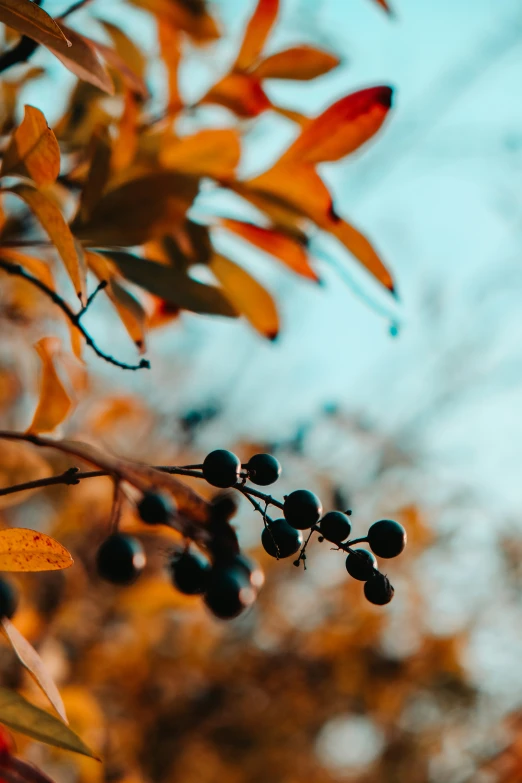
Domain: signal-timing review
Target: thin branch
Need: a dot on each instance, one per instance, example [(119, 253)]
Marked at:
[(74, 318), (18, 54)]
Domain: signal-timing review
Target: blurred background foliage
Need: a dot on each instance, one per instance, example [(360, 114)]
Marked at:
[(314, 684)]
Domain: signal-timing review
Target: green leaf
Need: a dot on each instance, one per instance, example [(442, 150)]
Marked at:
[(20, 715)]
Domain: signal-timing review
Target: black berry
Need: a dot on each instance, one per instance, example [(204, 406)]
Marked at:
[(189, 572), (229, 591), (221, 468), (378, 590), (336, 527), (223, 507), (8, 599), (156, 508), (254, 573), (280, 539), (302, 509), (361, 564), (263, 469), (120, 559), (387, 538)]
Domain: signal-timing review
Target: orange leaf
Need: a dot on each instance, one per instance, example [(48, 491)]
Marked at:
[(256, 33), (30, 659), (33, 150), (360, 247), (98, 172), (138, 210), (31, 20), (299, 62), (300, 186), (211, 153), (283, 247), (342, 128), (169, 40), (82, 60), (55, 403), (126, 48), (240, 93), (22, 549), (126, 143), (53, 223), (247, 296), (192, 17), (35, 266), (111, 57), (131, 312)]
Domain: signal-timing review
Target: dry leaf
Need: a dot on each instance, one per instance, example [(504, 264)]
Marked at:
[(81, 59), (30, 659), (31, 20), (33, 150), (54, 402), (28, 550), (247, 295)]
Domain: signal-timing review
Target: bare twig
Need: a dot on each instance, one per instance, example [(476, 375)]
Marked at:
[(74, 318)]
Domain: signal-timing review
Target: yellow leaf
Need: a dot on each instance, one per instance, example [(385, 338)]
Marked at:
[(31, 20), (172, 285), (20, 715), (53, 223), (54, 403), (247, 296), (19, 464), (207, 153), (299, 62), (30, 659), (256, 33), (81, 59), (28, 550), (131, 312), (33, 150), (138, 210)]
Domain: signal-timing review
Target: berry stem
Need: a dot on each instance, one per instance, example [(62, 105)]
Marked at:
[(269, 500)]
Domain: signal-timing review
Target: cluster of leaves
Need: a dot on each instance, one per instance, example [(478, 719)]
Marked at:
[(130, 180)]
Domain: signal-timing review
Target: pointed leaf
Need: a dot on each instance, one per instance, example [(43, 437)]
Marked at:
[(53, 223), (239, 92), (138, 210), (31, 20), (81, 59), (30, 659), (33, 150), (22, 549), (361, 248), (20, 715), (54, 403), (130, 79), (288, 250), (172, 285), (299, 185), (126, 48), (192, 17), (342, 128), (300, 62), (208, 153), (131, 312), (256, 33), (247, 296)]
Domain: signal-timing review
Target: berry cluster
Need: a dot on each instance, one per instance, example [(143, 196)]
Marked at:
[(229, 581)]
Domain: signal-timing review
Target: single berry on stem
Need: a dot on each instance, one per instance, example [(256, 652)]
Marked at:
[(279, 539), (189, 572), (361, 564), (378, 589), (120, 559), (8, 599), (221, 468), (263, 469), (335, 526), (302, 509), (156, 508), (387, 538), (229, 591)]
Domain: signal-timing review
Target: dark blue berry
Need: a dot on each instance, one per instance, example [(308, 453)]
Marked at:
[(120, 559), (280, 539), (335, 526), (361, 564), (302, 509), (387, 538), (189, 572), (221, 468), (229, 591), (156, 508), (378, 589), (263, 469)]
